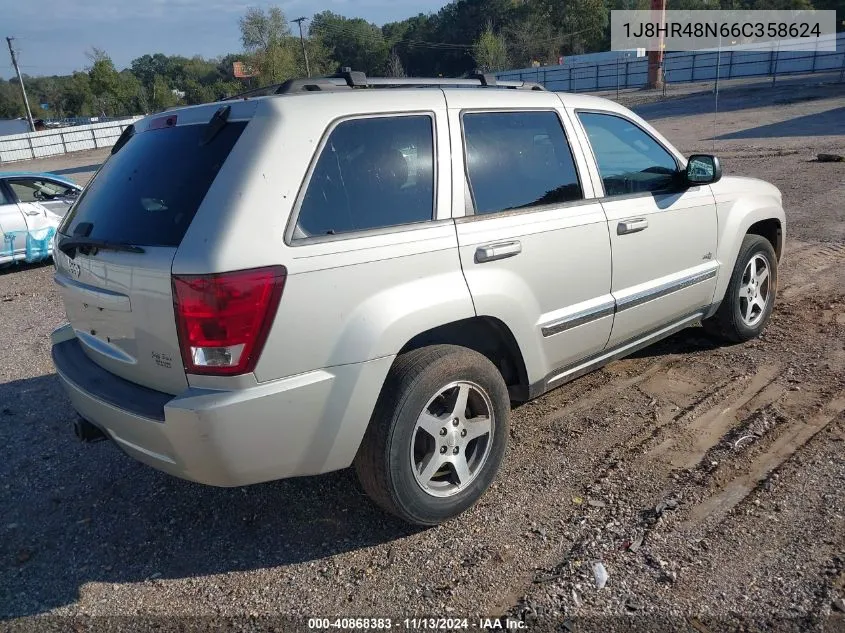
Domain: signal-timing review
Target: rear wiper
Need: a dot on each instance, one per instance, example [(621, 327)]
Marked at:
[(215, 124), (69, 246)]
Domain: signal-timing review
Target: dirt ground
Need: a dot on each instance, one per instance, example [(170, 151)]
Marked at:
[(708, 481)]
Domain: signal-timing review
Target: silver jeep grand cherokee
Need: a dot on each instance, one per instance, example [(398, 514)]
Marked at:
[(369, 271)]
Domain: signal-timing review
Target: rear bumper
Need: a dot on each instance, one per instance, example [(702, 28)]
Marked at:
[(302, 425)]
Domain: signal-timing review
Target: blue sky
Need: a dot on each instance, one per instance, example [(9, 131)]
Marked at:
[(53, 35)]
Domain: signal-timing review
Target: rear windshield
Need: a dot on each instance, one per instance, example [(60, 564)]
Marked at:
[(148, 192)]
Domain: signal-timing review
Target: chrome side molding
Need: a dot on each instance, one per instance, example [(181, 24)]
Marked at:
[(586, 365)]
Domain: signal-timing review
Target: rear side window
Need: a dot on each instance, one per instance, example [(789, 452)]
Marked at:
[(517, 160), (629, 160), (148, 192), (372, 173)]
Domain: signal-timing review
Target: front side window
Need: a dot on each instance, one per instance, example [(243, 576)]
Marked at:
[(39, 190), (517, 160), (629, 160), (372, 173)]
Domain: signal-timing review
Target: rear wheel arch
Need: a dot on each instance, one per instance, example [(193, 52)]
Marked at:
[(393, 465), (488, 336)]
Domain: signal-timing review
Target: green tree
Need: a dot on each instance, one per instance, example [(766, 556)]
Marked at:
[(146, 67), (351, 42), (833, 5), (490, 51), (266, 38), (105, 83), (532, 37), (162, 94), (394, 65), (196, 93), (319, 58), (132, 95), (77, 98), (261, 30), (11, 106)]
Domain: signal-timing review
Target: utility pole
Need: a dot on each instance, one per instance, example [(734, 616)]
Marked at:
[(655, 57), (20, 82), (299, 21)]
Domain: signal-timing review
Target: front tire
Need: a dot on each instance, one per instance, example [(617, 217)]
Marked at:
[(437, 435), (750, 297)]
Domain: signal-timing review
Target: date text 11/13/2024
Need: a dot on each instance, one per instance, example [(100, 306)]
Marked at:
[(416, 624)]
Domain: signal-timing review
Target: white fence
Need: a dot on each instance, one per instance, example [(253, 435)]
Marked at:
[(730, 63), (31, 145)]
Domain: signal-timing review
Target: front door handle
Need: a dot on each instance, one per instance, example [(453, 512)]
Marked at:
[(33, 212), (501, 250), (631, 226)]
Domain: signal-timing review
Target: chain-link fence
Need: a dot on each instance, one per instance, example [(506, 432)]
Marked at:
[(686, 67)]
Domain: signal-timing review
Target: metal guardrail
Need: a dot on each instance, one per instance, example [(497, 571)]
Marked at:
[(730, 63), (17, 147)]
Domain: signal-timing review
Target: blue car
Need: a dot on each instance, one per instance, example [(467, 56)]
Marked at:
[(31, 207)]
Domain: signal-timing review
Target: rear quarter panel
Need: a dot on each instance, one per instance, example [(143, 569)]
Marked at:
[(347, 299)]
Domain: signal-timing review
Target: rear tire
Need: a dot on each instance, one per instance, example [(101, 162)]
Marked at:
[(750, 297), (437, 435)]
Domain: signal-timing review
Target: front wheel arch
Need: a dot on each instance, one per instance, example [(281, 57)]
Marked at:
[(733, 322)]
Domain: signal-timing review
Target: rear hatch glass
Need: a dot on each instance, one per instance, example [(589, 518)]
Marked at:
[(146, 194), (149, 191)]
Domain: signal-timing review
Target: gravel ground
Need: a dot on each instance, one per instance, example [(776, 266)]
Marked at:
[(707, 481)]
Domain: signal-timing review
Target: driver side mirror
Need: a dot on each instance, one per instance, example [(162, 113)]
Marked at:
[(703, 169)]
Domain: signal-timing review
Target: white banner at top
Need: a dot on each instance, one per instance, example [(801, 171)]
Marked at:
[(675, 30)]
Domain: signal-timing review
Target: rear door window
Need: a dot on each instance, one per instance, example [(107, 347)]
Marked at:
[(372, 173), (518, 160), (148, 192)]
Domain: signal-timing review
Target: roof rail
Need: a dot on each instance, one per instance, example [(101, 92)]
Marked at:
[(348, 79), (486, 79)]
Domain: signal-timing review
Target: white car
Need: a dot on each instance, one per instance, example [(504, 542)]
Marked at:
[(31, 207), (368, 272)]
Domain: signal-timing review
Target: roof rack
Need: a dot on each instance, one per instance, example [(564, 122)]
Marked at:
[(348, 79)]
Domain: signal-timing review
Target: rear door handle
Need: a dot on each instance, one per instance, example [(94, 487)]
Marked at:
[(631, 226), (492, 252)]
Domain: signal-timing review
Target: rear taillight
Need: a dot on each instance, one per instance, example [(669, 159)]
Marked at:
[(223, 320)]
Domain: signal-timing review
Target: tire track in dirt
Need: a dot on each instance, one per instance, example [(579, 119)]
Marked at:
[(715, 508), (811, 267), (678, 416), (707, 429)]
